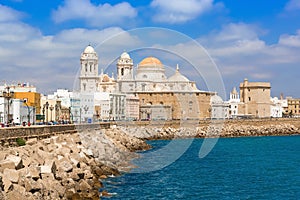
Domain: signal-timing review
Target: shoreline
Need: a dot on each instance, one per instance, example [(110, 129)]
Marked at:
[(72, 165)]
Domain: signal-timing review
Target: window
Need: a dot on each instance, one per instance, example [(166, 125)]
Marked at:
[(122, 71), (249, 98), (85, 67)]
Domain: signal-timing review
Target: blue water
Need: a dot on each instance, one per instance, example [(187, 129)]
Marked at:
[(236, 168)]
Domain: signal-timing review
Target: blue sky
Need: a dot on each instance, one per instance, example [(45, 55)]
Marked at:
[(41, 41)]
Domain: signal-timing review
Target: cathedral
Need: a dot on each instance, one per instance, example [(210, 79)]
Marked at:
[(159, 96)]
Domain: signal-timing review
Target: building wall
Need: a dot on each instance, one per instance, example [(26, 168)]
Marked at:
[(132, 107), (183, 105), (33, 99), (294, 107), (255, 97)]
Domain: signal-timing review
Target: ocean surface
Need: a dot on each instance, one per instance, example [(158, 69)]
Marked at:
[(236, 168)]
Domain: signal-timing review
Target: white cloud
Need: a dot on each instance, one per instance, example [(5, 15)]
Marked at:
[(8, 14), (292, 5), (290, 40), (94, 15), (179, 11), (47, 61)]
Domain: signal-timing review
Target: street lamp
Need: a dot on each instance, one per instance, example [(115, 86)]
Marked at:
[(46, 106), (57, 108), (86, 108), (51, 109), (28, 115), (7, 94)]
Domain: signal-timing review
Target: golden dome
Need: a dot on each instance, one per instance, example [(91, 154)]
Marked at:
[(150, 62)]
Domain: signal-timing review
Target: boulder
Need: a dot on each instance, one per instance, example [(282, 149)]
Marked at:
[(6, 164), (84, 186), (32, 185), (60, 190), (7, 184), (14, 195), (31, 141), (18, 188), (33, 172), (11, 174), (17, 161), (65, 165), (48, 167), (3, 154), (45, 169)]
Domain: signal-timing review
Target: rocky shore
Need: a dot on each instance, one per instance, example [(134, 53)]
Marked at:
[(66, 166), (71, 166), (212, 130)]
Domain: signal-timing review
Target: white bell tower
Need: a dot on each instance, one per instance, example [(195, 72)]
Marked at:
[(89, 70), (125, 67)]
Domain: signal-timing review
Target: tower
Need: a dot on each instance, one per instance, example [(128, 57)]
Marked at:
[(89, 70), (234, 95), (125, 67)]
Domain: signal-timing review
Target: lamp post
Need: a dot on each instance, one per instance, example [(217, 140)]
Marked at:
[(51, 109), (28, 110), (86, 108), (7, 94), (46, 105), (80, 110), (57, 108), (71, 115)]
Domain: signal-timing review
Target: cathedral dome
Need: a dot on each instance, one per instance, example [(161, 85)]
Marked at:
[(89, 49), (215, 99), (151, 62), (125, 55), (178, 77)]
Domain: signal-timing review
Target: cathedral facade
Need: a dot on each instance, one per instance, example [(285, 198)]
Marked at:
[(160, 97)]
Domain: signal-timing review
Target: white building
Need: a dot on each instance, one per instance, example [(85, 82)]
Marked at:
[(25, 87), (132, 107), (86, 110), (219, 109), (75, 107), (19, 112), (277, 107), (234, 101), (110, 106), (22, 113)]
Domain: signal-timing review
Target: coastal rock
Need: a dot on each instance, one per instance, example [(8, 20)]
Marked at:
[(16, 160), (6, 164), (65, 165), (11, 174), (7, 184), (31, 141), (32, 185)]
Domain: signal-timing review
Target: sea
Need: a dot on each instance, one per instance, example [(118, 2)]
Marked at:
[(235, 168)]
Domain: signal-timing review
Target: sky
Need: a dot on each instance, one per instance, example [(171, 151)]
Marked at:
[(215, 42)]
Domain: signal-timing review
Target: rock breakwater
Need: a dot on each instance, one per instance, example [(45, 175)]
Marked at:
[(212, 130), (65, 166)]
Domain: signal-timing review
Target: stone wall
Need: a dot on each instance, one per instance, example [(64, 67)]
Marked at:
[(11, 133)]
